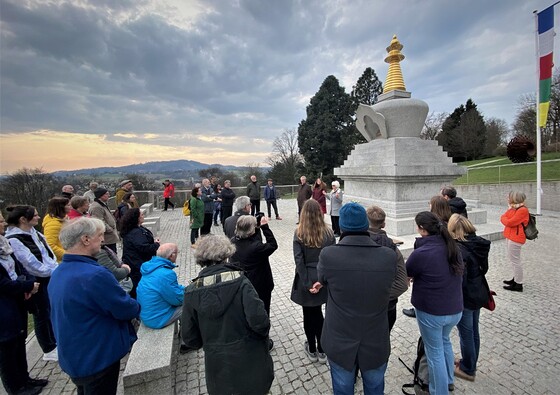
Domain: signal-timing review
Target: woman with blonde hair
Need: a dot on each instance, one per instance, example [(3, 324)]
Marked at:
[(474, 251), (311, 236), (57, 214), (513, 220)]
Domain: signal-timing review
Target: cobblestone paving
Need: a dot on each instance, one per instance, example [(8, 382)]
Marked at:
[(520, 340)]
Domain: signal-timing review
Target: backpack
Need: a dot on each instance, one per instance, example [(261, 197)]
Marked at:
[(187, 208), (420, 372), (531, 231)]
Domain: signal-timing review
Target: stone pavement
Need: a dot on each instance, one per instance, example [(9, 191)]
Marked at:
[(520, 340)]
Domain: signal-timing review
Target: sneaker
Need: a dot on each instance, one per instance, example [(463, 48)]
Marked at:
[(51, 356), (462, 375), (279, 218), (311, 355), (322, 357), (409, 312), (509, 282)]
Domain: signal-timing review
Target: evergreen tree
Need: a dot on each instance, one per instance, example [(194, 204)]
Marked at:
[(463, 133), (328, 134), (367, 88)]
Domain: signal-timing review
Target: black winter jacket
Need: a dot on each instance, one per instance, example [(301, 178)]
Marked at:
[(251, 256), (475, 256), (13, 315), (223, 314), (138, 247)]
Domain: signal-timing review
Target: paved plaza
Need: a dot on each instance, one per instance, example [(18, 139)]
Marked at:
[(520, 340)]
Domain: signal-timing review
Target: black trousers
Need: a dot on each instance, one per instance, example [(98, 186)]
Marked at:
[(42, 316), (102, 383), (273, 204), (255, 206), (13, 363), (194, 235), (313, 326), (226, 213), (207, 224), (392, 315), (167, 202), (335, 227)]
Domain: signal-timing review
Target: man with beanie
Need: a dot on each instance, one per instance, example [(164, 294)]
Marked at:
[(99, 209), (358, 274)]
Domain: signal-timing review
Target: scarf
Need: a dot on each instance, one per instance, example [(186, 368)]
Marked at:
[(5, 247)]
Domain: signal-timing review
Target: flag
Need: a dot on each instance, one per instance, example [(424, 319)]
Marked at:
[(546, 46)]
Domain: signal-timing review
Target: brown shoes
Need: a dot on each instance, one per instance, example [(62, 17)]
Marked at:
[(462, 375)]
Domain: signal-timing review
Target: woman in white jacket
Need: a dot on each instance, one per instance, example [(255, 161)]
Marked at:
[(335, 197)]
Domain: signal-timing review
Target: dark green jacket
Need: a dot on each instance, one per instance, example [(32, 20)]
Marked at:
[(197, 213), (223, 314)]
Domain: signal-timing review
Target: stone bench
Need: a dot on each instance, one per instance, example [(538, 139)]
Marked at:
[(147, 208), (148, 369), (156, 222)]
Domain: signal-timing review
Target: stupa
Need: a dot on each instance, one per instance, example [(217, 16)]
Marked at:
[(396, 169)]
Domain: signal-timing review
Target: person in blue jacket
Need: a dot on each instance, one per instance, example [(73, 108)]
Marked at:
[(90, 312), (159, 293)]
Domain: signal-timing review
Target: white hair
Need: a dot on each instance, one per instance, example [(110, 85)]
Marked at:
[(72, 232)]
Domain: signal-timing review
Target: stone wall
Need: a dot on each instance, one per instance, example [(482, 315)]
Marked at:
[(497, 193)]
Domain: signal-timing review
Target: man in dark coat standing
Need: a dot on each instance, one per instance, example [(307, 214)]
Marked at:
[(304, 194), (358, 274), (228, 196), (254, 193)]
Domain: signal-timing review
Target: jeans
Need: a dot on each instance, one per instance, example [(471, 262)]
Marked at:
[(343, 380), (470, 340), (435, 330), (102, 383)]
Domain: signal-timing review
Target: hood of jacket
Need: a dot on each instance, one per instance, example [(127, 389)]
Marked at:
[(477, 246), (214, 290), (155, 263), (457, 203)]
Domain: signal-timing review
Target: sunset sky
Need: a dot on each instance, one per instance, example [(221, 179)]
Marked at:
[(115, 82)]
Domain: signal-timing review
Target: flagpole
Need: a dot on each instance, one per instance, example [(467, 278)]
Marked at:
[(538, 129)]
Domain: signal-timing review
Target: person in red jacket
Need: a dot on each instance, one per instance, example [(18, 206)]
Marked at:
[(168, 193), (513, 220)]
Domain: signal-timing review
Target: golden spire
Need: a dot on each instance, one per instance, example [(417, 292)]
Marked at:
[(394, 75)]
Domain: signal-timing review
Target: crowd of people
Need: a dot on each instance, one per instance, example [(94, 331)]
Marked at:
[(85, 298)]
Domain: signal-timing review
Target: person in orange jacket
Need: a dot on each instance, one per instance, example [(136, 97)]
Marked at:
[(513, 220)]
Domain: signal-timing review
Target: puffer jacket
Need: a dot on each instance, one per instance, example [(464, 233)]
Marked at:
[(513, 220), (475, 252), (159, 293), (51, 230), (223, 314)]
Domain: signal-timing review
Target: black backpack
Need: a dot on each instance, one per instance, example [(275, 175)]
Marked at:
[(531, 231), (420, 372)]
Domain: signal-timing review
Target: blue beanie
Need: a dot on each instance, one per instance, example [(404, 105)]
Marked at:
[(353, 218)]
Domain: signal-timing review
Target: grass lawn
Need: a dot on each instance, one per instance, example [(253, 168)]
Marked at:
[(517, 173)]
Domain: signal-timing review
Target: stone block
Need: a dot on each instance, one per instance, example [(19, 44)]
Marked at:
[(149, 370)]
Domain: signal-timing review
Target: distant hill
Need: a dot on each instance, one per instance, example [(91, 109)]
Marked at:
[(160, 167)]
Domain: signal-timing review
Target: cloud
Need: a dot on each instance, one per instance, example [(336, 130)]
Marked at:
[(167, 71)]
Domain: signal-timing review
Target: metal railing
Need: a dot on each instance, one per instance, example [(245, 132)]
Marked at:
[(499, 168)]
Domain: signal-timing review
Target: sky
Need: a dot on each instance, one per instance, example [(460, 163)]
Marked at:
[(116, 82)]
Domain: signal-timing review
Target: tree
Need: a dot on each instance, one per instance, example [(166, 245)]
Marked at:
[(328, 134), (463, 133), (30, 187), (367, 88), (210, 172), (142, 182), (286, 162), (253, 169), (496, 134), (433, 125)]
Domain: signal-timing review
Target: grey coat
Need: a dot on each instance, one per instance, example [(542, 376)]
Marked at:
[(336, 201), (208, 196), (358, 274), (306, 259)]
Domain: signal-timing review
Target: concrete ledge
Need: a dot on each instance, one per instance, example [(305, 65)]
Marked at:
[(156, 220), (147, 208), (148, 370)]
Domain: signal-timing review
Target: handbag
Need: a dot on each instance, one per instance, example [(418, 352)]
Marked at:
[(491, 303)]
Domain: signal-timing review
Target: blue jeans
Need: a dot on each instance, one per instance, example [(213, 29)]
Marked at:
[(470, 340), (435, 330), (343, 380)]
